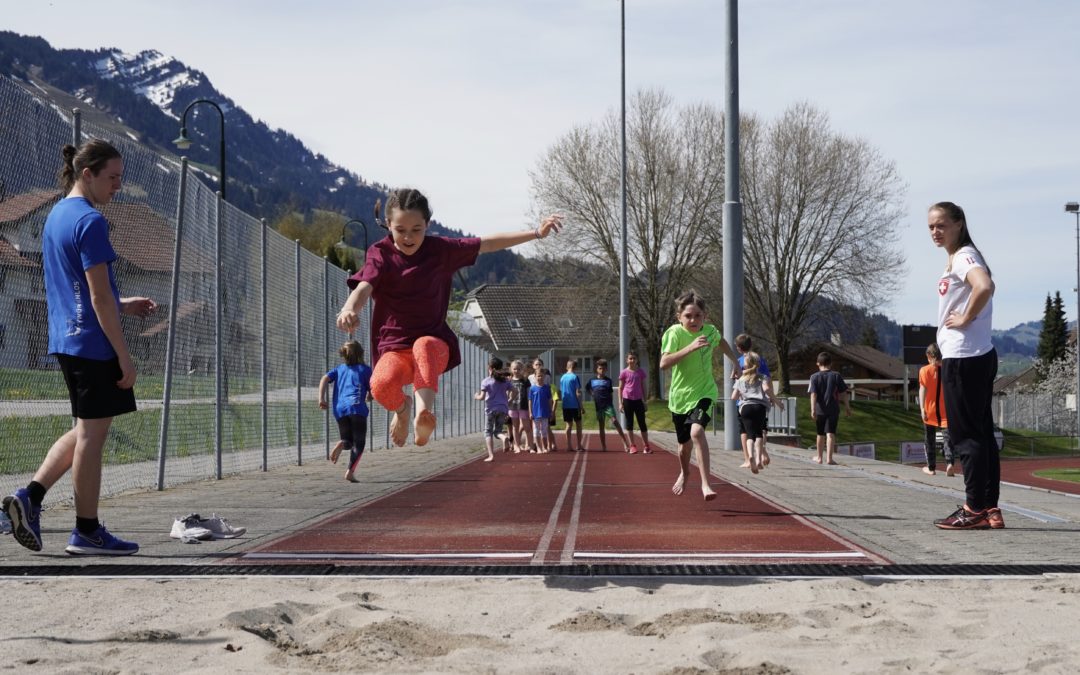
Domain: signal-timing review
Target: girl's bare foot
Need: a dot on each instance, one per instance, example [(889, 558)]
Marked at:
[(350, 477), (336, 452), (816, 460), (950, 470), (753, 467), (745, 464), (677, 488), (423, 427), (928, 471), (707, 493), (764, 459), (490, 458), (832, 463), (399, 425)]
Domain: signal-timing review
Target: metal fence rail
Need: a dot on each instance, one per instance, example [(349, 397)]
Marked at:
[(244, 401)]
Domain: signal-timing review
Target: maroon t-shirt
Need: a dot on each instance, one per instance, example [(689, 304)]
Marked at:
[(412, 293)]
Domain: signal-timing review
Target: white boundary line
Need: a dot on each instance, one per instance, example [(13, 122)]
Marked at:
[(660, 555), (575, 516), (553, 519), (385, 556)]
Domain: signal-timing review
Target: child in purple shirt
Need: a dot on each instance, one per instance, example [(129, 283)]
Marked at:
[(494, 390)]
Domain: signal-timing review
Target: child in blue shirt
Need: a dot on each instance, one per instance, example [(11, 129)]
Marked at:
[(570, 393), (540, 408), (352, 391)]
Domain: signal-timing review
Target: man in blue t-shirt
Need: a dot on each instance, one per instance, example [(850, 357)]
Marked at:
[(570, 393)]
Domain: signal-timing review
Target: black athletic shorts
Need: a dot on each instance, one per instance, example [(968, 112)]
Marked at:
[(571, 415), (698, 415), (92, 387)]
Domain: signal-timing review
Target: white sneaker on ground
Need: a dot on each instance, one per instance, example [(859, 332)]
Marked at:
[(189, 527), (220, 528)]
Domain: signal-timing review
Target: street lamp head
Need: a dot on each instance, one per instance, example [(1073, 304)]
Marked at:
[(182, 141), (1072, 207)]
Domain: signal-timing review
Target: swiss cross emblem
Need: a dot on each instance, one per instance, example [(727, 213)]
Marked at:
[(943, 287)]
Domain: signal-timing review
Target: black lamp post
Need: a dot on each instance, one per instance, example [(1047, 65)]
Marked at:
[(183, 142), (341, 245)]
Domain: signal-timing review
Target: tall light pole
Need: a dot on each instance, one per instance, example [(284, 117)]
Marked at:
[(341, 245), (733, 221), (183, 142), (624, 302), (1074, 208), (220, 384)]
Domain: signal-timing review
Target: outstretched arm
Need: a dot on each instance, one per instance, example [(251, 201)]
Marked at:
[(348, 319), (497, 242)]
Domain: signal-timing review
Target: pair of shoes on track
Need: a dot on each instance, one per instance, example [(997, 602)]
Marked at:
[(194, 526), (966, 519), (26, 528)]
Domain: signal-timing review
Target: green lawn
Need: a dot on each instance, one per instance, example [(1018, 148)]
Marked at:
[(1072, 475), (134, 437), (30, 385)]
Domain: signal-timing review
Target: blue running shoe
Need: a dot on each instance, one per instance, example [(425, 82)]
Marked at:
[(25, 519), (99, 543)]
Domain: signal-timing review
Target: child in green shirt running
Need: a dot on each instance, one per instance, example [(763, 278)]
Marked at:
[(687, 349)]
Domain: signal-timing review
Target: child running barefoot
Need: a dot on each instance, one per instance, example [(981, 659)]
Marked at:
[(540, 407), (602, 390), (408, 277), (687, 349), (518, 404), (494, 390), (744, 344), (352, 391), (755, 395), (631, 394)]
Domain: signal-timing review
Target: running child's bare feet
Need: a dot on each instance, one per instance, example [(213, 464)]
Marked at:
[(928, 471), (677, 488), (490, 458), (832, 462), (399, 425), (753, 466), (423, 427), (708, 493), (765, 459), (816, 460), (336, 452), (350, 477), (745, 464)]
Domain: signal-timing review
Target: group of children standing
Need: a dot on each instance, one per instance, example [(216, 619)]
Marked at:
[(521, 410)]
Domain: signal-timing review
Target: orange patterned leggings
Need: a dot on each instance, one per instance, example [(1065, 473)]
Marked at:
[(420, 366)]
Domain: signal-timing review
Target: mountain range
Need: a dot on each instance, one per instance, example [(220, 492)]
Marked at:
[(271, 172)]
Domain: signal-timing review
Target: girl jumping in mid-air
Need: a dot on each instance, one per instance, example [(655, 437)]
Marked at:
[(408, 277), (352, 389), (687, 349)]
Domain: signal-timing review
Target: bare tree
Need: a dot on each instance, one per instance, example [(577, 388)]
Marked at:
[(821, 213), (674, 196)]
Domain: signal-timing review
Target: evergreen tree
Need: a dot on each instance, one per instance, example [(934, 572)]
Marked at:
[(1054, 337), (870, 336)]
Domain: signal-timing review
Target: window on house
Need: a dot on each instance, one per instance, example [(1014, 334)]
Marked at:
[(585, 367), (564, 323), (515, 323)]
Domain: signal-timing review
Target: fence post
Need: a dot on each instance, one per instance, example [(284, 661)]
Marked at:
[(76, 127), (265, 353), (299, 351), (170, 343), (326, 344), (219, 356)]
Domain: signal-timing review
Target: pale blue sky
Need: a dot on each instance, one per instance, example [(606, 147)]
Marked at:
[(976, 100)]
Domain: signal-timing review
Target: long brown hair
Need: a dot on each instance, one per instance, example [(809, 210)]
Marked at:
[(93, 155), (956, 214)]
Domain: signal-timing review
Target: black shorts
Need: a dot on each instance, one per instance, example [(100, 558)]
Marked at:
[(92, 387), (571, 415), (683, 422), (352, 430), (826, 424), (752, 416)]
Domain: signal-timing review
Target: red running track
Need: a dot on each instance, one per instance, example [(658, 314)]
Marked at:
[(564, 508), (1022, 472)]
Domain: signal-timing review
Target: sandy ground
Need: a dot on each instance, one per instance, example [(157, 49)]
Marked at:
[(556, 625)]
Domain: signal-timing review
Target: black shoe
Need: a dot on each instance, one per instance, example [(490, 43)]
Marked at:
[(962, 519)]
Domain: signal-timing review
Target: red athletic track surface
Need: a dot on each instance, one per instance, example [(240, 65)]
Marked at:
[(563, 508), (1022, 472)]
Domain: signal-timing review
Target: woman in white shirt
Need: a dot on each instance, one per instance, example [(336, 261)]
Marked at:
[(968, 367)]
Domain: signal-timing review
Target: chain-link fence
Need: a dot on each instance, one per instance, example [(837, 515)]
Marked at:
[(228, 366), (1044, 412)]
